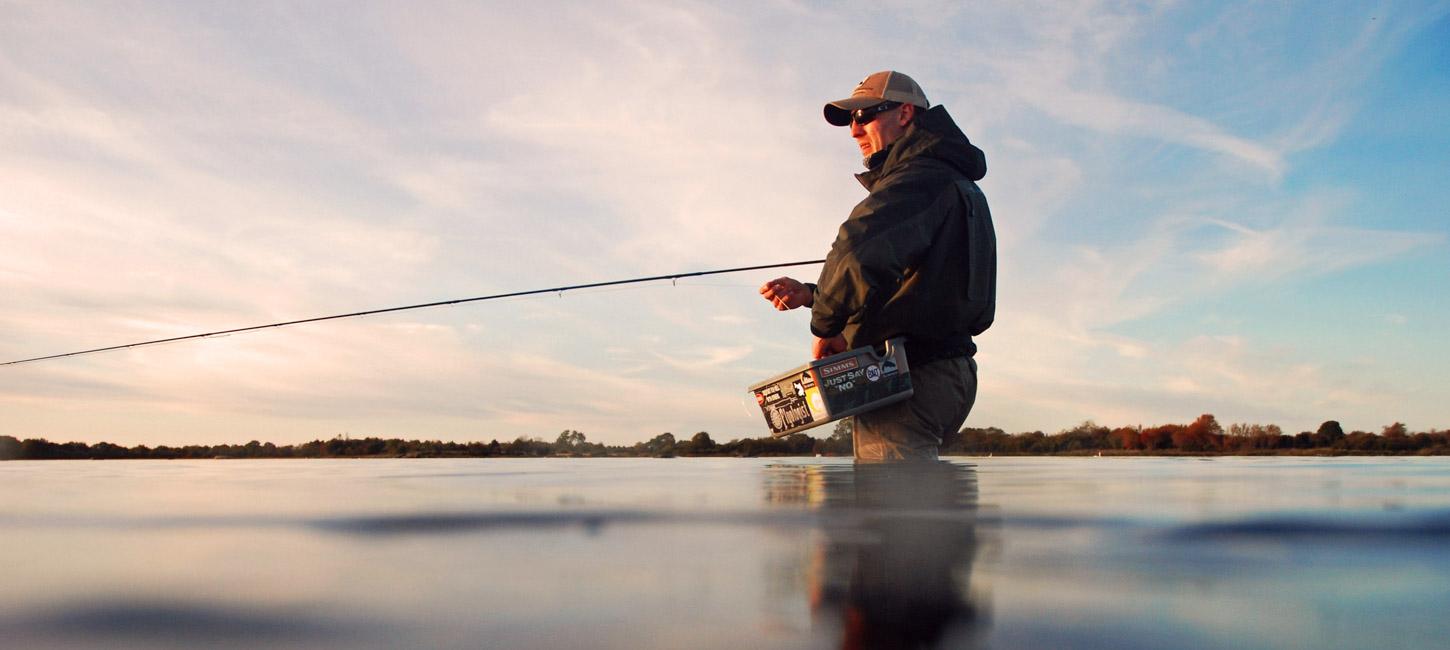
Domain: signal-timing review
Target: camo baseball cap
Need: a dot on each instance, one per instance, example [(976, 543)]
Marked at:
[(884, 86)]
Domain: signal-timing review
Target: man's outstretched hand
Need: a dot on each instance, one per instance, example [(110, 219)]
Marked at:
[(786, 293), (789, 293)]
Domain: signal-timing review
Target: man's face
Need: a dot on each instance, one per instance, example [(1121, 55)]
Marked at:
[(880, 132)]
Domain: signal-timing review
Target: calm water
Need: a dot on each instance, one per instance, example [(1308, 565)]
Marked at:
[(726, 553)]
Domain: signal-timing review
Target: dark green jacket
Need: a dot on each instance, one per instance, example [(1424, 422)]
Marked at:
[(916, 258)]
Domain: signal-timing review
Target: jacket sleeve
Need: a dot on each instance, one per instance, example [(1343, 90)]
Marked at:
[(884, 238)]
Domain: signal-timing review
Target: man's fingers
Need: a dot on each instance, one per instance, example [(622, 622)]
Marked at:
[(784, 293)]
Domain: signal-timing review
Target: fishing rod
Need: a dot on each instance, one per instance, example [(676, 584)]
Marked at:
[(513, 294)]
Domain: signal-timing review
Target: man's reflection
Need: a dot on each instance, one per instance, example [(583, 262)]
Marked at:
[(892, 566)]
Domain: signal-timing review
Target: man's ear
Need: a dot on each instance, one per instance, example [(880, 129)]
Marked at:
[(908, 113)]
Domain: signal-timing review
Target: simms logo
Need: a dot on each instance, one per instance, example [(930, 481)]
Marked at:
[(838, 367)]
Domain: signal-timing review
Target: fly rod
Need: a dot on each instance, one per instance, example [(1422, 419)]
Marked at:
[(514, 294)]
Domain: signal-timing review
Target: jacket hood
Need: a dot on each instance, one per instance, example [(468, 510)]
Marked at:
[(933, 134)]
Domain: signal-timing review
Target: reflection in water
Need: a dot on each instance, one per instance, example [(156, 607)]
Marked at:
[(892, 567), (725, 553)]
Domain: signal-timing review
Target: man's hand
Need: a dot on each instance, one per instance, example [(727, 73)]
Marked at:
[(787, 293), (827, 347)]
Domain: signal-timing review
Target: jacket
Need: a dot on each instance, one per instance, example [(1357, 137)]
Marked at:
[(917, 257)]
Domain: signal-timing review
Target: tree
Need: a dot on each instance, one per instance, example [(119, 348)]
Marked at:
[(1396, 437), (1160, 437), (1329, 434), (661, 446), (568, 440), (527, 446), (799, 444), (1242, 436), (1271, 437), (1087, 435), (1203, 435), (1129, 437), (984, 441), (1361, 441), (842, 441), (9, 448), (1034, 442), (701, 443)]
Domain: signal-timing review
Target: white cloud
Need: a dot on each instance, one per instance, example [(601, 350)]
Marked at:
[(1302, 245), (706, 359), (1118, 116)]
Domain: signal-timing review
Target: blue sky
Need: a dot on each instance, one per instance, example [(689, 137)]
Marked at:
[(1236, 208)]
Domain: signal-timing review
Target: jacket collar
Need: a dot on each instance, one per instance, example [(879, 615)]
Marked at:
[(875, 164)]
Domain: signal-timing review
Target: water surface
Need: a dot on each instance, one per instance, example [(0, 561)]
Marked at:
[(726, 553)]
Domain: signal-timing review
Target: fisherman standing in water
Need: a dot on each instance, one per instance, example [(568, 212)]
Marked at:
[(916, 258)]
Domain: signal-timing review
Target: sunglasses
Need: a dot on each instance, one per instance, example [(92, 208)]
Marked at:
[(865, 115)]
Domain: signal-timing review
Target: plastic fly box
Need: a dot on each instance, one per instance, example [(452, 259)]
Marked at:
[(854, 381)]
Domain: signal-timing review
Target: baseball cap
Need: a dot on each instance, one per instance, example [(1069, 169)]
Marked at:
[(884, 86)]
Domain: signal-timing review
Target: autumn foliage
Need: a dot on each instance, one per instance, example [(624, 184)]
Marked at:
[(1202, 436)]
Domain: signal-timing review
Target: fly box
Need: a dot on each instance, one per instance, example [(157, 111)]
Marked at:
[(854, 381)]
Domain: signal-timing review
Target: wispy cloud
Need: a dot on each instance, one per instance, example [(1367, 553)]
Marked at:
[(1118, 116)]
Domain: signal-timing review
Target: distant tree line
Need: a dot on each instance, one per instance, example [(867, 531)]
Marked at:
[(569, 443), (1202, 436)]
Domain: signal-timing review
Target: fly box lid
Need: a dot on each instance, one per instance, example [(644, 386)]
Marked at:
[(854, 381)]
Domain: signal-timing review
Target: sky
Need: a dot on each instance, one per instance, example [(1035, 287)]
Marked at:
[(1235, 208)]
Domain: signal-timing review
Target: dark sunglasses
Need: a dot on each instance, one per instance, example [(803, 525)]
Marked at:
[(865, 115)]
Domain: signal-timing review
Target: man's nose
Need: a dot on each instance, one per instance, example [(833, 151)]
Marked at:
[(857, 130)]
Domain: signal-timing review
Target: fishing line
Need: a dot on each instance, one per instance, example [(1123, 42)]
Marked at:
[(497, 296)]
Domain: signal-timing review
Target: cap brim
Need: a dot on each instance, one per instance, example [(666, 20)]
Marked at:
[(838, 113)]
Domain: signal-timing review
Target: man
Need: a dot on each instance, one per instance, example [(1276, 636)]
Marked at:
[(916, 258)]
